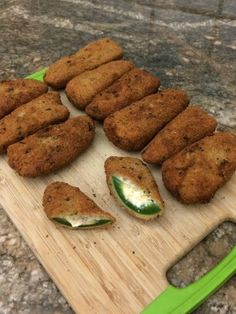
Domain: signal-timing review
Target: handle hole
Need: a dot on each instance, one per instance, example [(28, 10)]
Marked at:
[(201, 259)]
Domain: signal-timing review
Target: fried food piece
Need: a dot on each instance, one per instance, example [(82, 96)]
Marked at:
[(133, 186), (195, 174), (131, 128), (132, 86), (31, 117), (188, 127), (14, 93), (87, 58), (52, 147), (82, 89), (69, 206)]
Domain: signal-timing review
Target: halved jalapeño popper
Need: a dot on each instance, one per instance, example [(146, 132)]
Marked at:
[(68, 206), (133, 186)]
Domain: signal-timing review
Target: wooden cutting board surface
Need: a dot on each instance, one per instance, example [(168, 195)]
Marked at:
[(121, 269)]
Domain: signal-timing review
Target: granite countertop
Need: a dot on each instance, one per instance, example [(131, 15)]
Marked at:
[(189, 44)]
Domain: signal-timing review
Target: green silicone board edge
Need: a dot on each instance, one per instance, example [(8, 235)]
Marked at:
[(185, 300), (37, 75)]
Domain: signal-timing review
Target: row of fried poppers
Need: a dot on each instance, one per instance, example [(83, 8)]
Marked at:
[(136, 116), (139, 117)]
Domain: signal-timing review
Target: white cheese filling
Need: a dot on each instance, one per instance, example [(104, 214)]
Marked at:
[(134, 194), (77, 221)]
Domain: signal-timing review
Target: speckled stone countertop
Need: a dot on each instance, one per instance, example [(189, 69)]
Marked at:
[(189, 44)]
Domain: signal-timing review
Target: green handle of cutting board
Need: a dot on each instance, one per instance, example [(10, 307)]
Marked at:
[(37, 75), (184, 300)]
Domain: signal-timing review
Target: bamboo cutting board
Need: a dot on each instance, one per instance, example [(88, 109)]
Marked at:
[(121, 269)]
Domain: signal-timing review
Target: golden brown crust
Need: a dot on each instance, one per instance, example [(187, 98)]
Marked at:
[(87, 58), (51, 148), (132, 86), (62, 199), (188, 127), (14, 93), (84, 87), (30, 117), (131, 128), (136, 171), (198, 171)]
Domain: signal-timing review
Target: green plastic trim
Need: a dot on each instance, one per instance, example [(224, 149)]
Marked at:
[(185, 300), (65, 222), (150, 209), (38, 76)]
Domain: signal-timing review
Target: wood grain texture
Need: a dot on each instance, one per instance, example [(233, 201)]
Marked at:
[(121, 269)]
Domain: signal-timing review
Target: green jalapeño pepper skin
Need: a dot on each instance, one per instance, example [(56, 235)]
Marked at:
[(66, 222), (62, 221), (133, 186)]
